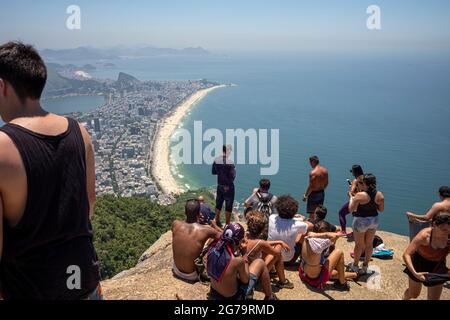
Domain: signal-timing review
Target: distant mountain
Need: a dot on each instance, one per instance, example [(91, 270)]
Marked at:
[(55, 82), (58, 85), (89, 67), (195, 51), (152, 51), (125, 80), (80, 53), (88, 53)]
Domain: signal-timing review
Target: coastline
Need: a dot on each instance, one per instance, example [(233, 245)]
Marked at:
[(160, 162)]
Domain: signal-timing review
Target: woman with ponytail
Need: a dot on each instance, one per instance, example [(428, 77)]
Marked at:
[(365, 206)]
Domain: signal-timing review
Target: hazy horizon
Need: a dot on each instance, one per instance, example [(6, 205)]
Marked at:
[(234, 26)]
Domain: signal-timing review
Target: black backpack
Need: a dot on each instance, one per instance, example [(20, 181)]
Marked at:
[(265, 203), (377, 241)]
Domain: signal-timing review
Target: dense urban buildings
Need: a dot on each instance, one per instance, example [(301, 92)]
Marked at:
[(123, 131)]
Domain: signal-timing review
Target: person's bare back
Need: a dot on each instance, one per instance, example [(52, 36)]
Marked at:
[(188, 242), (229, 285)]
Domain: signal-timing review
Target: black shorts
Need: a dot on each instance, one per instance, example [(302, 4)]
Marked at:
[(225, 194), (315, 199), (423, 265)]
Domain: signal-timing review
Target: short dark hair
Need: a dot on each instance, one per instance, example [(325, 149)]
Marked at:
[(314, 159), (444, 191), (441, 218), (321, 212), (24, 69), (357, 170), (264, 184), (256, 222), (286, 206), (192, 209), (322, 226)]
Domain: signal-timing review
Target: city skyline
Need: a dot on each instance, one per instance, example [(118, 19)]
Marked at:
[(231, 26)]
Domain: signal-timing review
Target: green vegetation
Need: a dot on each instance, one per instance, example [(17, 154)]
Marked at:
[(125, 227)]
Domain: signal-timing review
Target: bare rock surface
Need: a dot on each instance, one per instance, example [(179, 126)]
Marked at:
[(152, 278)]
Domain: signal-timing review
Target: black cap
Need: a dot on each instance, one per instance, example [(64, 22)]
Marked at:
[(357, 169)]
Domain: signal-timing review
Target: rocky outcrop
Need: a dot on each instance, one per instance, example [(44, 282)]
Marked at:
[(152, 278)]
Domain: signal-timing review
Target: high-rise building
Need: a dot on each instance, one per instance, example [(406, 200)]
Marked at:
[(97, 124)]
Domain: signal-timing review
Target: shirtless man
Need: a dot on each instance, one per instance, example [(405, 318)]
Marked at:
[(443, 206), (318, 182), (47, 189), (232, 277), (189, 239)]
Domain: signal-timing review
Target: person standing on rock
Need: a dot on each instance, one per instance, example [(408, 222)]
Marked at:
[(358, 174), (365, 206), (223, 167), (318, 182), (425, 259), (188, 241)]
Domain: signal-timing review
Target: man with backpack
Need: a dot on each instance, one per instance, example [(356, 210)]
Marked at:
[(261, 199)]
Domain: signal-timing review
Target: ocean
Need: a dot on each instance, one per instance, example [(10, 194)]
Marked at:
[(71, 104), (387, 112)]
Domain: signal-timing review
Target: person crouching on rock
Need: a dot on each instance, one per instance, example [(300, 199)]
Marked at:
[(189, 239), (321, 261), (232, 277), (425, 259)]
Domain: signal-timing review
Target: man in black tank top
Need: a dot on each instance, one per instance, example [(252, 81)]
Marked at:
[(47, 190)]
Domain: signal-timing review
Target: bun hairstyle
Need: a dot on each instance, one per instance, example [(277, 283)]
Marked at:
[(371, 182), (444, 191)]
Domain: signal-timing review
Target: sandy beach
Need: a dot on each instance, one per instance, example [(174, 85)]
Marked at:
[(161, 151)]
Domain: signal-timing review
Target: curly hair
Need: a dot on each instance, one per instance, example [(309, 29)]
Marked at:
[(256, 222), (286, 206)]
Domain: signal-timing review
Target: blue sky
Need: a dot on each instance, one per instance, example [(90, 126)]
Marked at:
[(244, 25)]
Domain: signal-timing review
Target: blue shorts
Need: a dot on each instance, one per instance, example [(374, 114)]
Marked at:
[(364, 224), (244, 290), (225, 194), (247, 289)]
